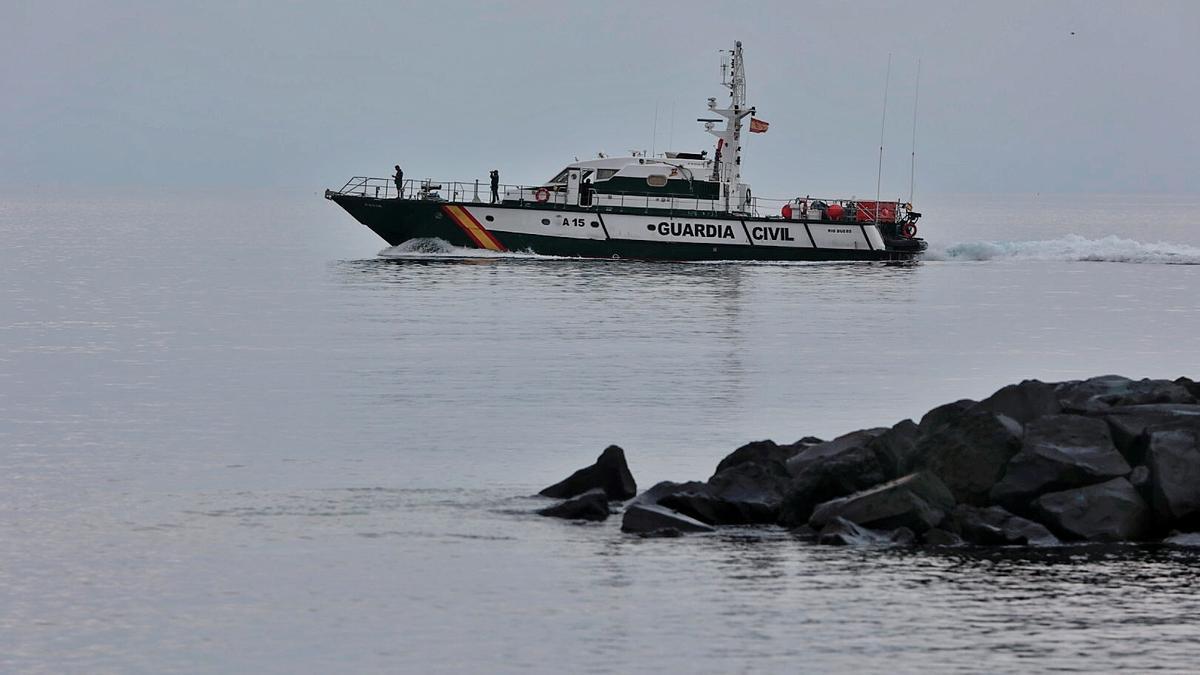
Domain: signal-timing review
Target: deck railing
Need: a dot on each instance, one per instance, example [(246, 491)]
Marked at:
[(426, 189)]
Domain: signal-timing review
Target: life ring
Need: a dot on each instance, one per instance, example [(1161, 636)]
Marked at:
[(542, 195), (908, 230)]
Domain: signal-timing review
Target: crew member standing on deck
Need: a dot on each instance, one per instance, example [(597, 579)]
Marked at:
[(399, 178), (495, 177)]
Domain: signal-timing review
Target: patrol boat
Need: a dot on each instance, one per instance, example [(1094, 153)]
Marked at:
[(675, 206)]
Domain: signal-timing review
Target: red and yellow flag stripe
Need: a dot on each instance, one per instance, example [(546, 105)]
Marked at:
[(478, 233)]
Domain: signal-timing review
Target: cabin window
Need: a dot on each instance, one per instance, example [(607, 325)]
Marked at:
[(656, 180), (605, 174), (561, 178)]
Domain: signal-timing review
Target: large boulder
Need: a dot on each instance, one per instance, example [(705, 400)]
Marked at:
[(896, 448), (970, 453), (835, 469), (1111, 511), (758, 452), (1173, 457), (659, 490), (917, 501), (1023, 402), (993, 526), (746, 489), (591, 505), (1129, 424), (1059, 452), (649, 518), (1098, 394), (1191, 385), (610, 473), (813, 454), (842, 532), (746, 493), (944, 414)]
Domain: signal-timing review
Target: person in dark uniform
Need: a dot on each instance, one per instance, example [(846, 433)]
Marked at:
[(495, 178), (585, 193), (399, 178)]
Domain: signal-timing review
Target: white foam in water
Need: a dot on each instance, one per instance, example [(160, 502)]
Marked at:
[(433, 247), (1071, 248)]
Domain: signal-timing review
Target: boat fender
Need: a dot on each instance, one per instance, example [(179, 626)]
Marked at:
[(542, 195), (786, 212), (908, 231)]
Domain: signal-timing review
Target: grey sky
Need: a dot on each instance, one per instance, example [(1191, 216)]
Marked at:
[(310, 93)]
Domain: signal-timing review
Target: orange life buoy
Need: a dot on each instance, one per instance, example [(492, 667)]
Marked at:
[(908, 231), (542, 195)]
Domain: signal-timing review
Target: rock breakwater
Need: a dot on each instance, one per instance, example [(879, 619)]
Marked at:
[(1107, 459)]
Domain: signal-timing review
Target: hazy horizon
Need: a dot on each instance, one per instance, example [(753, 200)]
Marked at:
[(1020, 97)]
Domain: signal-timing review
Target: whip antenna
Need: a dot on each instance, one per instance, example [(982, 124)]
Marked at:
[(912, 166), (882, 126), (654, 133)]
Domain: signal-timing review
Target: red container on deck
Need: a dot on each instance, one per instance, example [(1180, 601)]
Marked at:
[(865, 212), (835, 211)]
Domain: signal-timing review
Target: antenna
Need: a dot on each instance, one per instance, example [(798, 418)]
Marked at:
[(912, 166), (671, 132), (654, 133), (882, 125)]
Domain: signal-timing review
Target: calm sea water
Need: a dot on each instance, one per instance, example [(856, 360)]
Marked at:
[(235, 438)]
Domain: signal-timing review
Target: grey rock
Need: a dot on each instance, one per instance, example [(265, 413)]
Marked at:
[(841, 532), (648, 518), (804, 533), (1191, 385), (896, 448), (1140, 478), (809, 440), (747, 488), (818, 453), (1129, 424), (659, 490), (1023, 402), (1111, 511), (940, 537), (993, 526), (917, 501), (1059, 452), (1173, 458), (1097, 394), (661, 533), (832, 471), (744, 494), (610, 473), (970, 453), (758, 452), (944, 414), (591, 505)]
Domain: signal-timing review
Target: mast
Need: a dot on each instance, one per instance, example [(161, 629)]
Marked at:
[(727, 166)]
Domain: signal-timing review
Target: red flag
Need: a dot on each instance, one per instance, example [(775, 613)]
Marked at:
[(758, 126)]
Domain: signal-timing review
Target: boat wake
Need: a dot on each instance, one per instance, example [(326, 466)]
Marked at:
[(440, 248), (1071, 248)]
